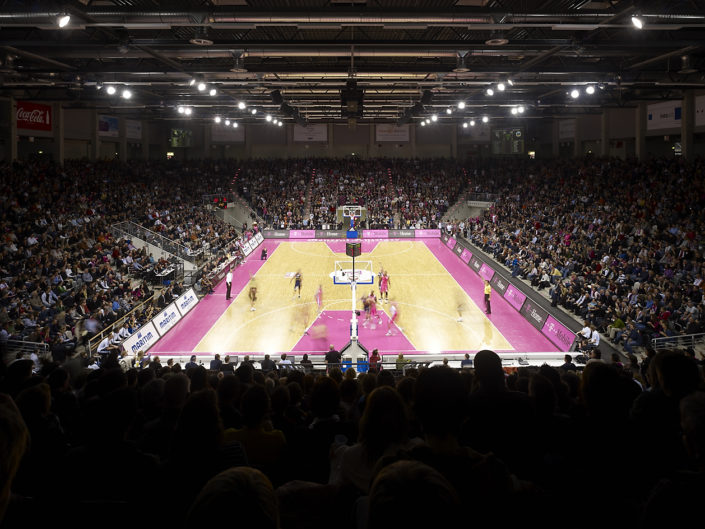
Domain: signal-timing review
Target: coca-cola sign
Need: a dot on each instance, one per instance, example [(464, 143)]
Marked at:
[(33, 116)]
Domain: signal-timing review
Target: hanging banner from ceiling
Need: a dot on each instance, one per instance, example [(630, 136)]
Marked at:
[(666, 115), (317, 132), (33, 116)]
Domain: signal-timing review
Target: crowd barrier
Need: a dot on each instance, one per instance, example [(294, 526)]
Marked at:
[(342, 234), (560, 335)]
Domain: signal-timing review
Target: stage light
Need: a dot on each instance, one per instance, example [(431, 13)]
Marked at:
[(638, 23), (501, 87), (514, 111), (254, 111), (201, 87), (241, 105), (268, 117), (111, 90), (434, 117), (472, 122), (180, 109), (510, 82), (521, 109), (485, 119), (449, 111), (235, 125), (490, 92), (280, 123), (188, 111), (213, 91), (590, 90), (461, 105), (126, 94), (217, 119), (192, 82), (227, 122), (575, 93), (64, 20), (465, 125), (423, 123)]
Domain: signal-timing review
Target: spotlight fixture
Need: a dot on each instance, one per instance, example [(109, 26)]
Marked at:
[(217, 119), (99, 86), (254, 111), (280, 124), (63, 20), (227, 122), (490, 92), (485, 119), (589, 89), (521, 109), (200, 38), (465, 125), (428, 121), (601, 86), (213, 91), (461, 105), (201, 86), (180, 109), (472, 122), (638, 23), (274, 121), (192, 81), (575, 93), (460, 66), (449, 111), (501, 87), (188, 111), (241, 105), (514, 111), (126, 94), (510, 82), (423, 123), (434, 117), (235, 125), (111, 90), (268, 117)]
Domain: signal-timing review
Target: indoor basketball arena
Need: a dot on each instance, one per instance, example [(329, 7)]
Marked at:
[(352, 263)]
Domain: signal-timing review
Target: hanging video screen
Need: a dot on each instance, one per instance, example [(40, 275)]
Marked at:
[(508, 141), (180, 138)]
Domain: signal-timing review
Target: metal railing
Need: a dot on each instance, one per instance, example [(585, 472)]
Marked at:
[(482, 197), (128, 229), (686, 340), (11, 348), (95, 340)]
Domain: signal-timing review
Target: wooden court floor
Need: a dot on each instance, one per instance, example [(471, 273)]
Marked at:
[(426, 294)]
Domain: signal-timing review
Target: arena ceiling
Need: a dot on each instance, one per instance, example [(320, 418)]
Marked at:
[(368, 60)]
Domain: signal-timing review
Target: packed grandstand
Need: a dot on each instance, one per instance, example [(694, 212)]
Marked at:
[(618, 243)]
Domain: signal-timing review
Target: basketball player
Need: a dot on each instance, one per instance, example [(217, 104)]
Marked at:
[(297, 279), (252, 294), (319, 298), (384, 287), (393, 316), (373, 307), (366, 306)]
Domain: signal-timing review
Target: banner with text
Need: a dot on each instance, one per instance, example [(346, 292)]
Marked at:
[(558, 333), (375, 234), (33, 116), (499, 284), (186, 302), (259, 238), (514, 296), (392, 133), (445, 237), (330, 234), (458, 250), (535, 314), (276, 234), (475, 264), (166, 319), (140, 342), (311, 133), (401, 234), (451, 242), (108, 126), (427, 233), (247, 248), (302, 234), (133, 129), (465, 255), (666, 115), (486, 272)]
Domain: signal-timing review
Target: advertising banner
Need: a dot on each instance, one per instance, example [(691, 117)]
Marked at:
[(311, 133), (458, 250), (451, 242), (375, 234), (514, 296), (140, 342), (499, 284), (486, 272), (247, 248), (392, 133), (401, 234), (330, 234), (259, 238), (535, 314), (475, 264), (302, 234), (445, 237), (166, 319), (666, 115), (108, 126), (427, 233), (465, 255), (133, 129), (276, 234), (33, 116), (558, 333), (186, 302)]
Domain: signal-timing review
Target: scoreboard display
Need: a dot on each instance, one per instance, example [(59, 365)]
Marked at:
[(220, 202), (508, 141)]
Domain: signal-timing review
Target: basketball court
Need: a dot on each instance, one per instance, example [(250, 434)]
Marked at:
[(427, 283)]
